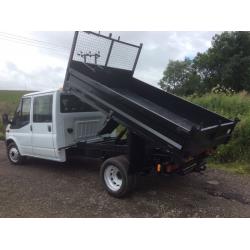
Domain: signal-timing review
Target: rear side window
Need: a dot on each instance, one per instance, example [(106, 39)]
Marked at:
[(71, 104), (42, 108)]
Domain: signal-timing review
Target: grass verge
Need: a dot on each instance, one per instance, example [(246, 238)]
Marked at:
[(236, 167)]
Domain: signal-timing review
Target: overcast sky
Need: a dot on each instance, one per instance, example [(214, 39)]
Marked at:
[(26, 67)]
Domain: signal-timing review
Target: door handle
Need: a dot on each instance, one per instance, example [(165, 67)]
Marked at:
[(49, 128), (30, 127)]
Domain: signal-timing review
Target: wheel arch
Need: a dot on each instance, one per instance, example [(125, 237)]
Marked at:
[(10, 140)]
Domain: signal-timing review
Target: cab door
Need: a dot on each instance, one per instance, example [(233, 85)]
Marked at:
[(42, 126), (20, 127)]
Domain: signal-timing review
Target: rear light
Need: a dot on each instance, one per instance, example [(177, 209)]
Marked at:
[(170, 168), (158, 168), (165, 168)]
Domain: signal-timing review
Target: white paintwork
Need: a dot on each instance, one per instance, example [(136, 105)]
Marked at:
[(42, 143), (42, 138), (22, 138)]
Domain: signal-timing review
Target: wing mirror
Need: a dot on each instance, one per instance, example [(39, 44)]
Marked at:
[(5, 119)]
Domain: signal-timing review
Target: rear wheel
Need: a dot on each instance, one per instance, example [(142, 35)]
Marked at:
[(115, 176), (14, 155)]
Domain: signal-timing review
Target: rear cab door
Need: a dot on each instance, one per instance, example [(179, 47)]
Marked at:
[(42, 126)]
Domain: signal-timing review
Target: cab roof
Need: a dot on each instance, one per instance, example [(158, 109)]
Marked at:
[(42, 92)]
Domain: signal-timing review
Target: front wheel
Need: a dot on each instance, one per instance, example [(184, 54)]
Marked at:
[(14, 155), (115, 176)]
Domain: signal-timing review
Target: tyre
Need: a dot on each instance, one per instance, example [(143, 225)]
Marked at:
[(115, 176), (14, 155)]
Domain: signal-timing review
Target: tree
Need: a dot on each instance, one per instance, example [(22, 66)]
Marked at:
[(226, 63), (180, 78)]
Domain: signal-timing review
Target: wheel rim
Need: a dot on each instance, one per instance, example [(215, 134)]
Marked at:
[(113, 178), (14, 154)]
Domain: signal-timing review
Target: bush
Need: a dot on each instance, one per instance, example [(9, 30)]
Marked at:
[(231, 106)]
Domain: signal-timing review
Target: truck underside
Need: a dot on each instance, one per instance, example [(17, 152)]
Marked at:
[(143, 156)]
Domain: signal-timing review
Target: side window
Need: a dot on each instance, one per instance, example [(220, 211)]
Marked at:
[(72, 104), (22, 115), (26, 110), (42, 108)]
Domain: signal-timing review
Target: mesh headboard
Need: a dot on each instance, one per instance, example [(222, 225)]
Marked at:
[(94, 48)]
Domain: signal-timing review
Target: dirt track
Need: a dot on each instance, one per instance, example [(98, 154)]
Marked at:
[(47, 189)]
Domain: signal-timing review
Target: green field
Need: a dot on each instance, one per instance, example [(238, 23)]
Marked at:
[(8, 102)]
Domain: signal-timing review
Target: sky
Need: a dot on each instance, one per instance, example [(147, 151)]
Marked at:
[(41, 67)]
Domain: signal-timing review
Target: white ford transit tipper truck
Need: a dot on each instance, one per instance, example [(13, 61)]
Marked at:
[(105, 112)]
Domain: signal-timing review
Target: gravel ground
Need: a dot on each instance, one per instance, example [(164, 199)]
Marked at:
[(47, 189)]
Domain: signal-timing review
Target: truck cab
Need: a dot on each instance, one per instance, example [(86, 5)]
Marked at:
[(46, 123)]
